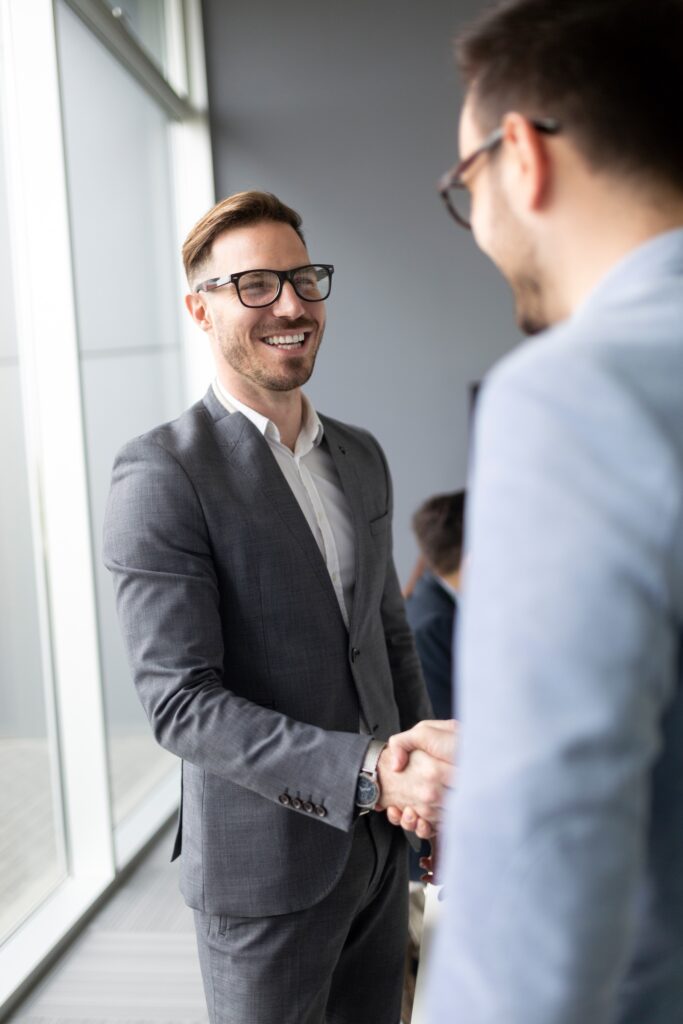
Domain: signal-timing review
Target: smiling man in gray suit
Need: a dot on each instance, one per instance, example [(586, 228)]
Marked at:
[(250, 544), (564, 851)]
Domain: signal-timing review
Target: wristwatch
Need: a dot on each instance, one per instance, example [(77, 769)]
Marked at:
[(367, 789)]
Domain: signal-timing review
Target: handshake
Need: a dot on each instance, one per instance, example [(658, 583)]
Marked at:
[(413, 772)]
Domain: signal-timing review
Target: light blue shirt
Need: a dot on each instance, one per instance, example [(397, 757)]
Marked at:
[(563, 865)]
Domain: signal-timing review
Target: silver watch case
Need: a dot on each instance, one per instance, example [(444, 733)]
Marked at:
[(367, 793)]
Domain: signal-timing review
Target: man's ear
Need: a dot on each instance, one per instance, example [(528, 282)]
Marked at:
[(198, 310), (528, 170)]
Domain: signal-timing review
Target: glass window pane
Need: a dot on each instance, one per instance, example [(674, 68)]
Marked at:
[(120, 197), (32, 855), (144, 20)]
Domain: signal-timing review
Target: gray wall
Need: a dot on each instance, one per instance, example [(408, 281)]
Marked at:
[(348, 111)]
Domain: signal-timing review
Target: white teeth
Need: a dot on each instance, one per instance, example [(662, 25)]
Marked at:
[(285, 340)]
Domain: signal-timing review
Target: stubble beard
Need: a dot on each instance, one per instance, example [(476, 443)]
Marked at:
[(521, 267), (529, 304), (518, 261), (295, 374)]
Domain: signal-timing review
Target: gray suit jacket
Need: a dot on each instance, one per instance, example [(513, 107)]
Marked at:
[(240, 655), (564, 859)]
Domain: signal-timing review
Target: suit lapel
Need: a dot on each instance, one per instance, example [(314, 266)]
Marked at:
[(344, 459), (247, 450)]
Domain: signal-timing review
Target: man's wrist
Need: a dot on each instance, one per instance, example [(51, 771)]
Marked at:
[(372, 756), (368, 791)]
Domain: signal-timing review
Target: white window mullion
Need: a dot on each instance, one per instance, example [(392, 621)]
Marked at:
[(193, 177), (175, 47)]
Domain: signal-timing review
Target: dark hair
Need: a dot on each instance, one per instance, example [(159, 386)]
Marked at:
[(235, 211), (438, 525), (610, 71)]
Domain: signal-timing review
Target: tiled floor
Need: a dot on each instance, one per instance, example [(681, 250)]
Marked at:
[(136, 963)]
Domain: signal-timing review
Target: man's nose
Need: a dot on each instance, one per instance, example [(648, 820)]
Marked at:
[(288, 302)]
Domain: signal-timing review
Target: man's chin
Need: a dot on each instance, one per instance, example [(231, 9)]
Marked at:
[(295, 377), (529, 315), (529, 325)]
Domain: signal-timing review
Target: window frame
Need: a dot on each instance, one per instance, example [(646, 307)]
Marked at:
[(47, 342)]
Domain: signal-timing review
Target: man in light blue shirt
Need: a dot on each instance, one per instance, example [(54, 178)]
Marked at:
[(563, 862)]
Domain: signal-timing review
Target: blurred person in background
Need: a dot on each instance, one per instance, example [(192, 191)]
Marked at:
[(432, 606)]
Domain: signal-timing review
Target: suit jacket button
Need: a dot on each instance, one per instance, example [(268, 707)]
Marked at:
[(308, 806), (285, 799), (296, 803), (320, 811), (355, 653)]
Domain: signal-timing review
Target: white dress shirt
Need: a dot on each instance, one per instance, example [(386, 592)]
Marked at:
[(312, 476)]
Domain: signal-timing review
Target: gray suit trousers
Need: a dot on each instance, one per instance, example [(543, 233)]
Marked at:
[(337, 962)]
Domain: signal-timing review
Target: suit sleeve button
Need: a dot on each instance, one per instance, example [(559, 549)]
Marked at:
[(285, 799), (308, 806), (296, 803), (320, 811)]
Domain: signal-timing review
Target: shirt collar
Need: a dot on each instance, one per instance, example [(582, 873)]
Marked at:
[(658, 257), (310, 435), (451, 591)]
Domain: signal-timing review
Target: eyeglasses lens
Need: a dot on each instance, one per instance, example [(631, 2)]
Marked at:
[(459, 202), (312, 283), (260, 288)]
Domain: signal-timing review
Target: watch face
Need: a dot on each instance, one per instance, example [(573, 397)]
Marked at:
[(367, 792)]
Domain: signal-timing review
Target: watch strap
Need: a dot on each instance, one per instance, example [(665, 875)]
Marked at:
[(369, 769), (372, 754)]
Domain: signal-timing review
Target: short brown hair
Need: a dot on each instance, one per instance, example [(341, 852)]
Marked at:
[(235, 211), (439, 525), (610, 71)]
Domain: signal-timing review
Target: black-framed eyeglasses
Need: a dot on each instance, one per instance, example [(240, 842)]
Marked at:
[(312, 283), (452, 187)]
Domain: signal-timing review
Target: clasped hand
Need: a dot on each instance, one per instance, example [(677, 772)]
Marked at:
[(414, 771)]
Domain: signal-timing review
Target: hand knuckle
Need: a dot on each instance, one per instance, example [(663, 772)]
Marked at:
[(432, 794)]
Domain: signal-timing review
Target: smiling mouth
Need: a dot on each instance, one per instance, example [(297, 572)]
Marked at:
[(288, 341)]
